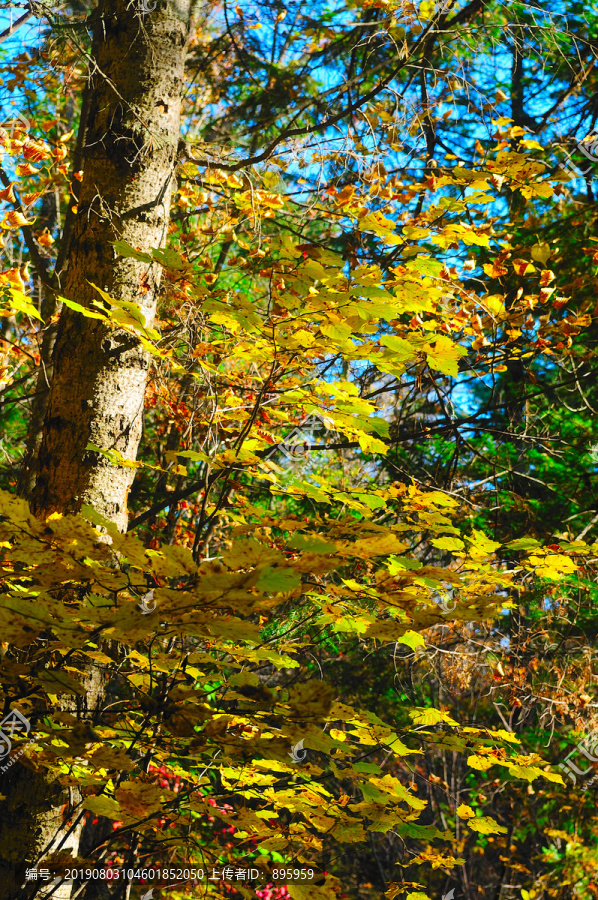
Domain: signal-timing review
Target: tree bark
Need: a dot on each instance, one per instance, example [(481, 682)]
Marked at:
[(129, 163), (99, 374), (51, 307), (39, 816)]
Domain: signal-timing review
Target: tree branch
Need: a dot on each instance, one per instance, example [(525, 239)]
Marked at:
[(15, 25)]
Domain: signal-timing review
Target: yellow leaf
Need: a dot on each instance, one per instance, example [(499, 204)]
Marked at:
[(45, 239), (274, 201), (444, 355), (413, 640), (552, 566), (537, 189), (541, 253), (427, 9), (72, 304), (400, 347), (21, 303), (448, 543), (494, 304), (271, 179), (431, 716), (338, 331), (379, 224), (465, 812), (370, 444), (531, 145), (8, 193), (304, 338), (486, 825), (482, 763), (553, 776), (480, 545)]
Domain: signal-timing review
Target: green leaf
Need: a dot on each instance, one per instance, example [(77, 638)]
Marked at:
[(412, 639), (169, 258), (125, 249), (55, 681), (403, 562), (274, 579), (312, 543), (128, 310), (298, 891), (104, 806), (526, 543), (82, 309), (421, 832), (399, 347)]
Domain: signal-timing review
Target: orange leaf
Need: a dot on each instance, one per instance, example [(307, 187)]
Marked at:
[(522, 267), (14, 278), (8, 194), (59, 152), (495, 269), (14, 219), (28, 199), (26, 169), (45, 239), (35, 151)]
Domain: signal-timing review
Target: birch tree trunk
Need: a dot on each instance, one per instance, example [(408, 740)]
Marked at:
[(129, 158)]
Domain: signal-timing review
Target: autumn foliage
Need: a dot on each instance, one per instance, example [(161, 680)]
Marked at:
[(311, 559)]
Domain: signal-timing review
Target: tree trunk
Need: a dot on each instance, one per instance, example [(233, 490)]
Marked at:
[(129, 157), (51, 307), (129, 163), (39, 816)]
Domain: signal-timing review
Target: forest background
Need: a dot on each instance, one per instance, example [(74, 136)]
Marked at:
[(322, 278)]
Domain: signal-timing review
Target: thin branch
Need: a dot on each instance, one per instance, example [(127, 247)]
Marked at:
[(15, 25), (303, 131)]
